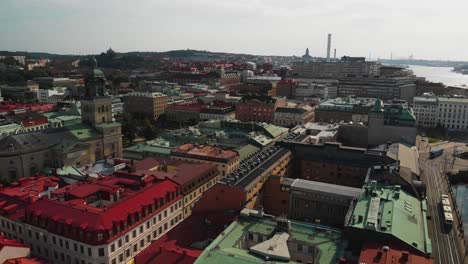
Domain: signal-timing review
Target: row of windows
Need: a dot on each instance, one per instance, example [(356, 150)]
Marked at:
[(144, 241), (141, 229)]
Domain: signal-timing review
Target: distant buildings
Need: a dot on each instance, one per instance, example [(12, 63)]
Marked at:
[(23, 94), (386, 123), (344, 109), (218, 113), (337, 69), (257, 237), (20, 59), (46, 95), (384, 88), (254, 108), (145, 104), (25, 155), (425, 110), (259, 85), (449, 112), (188, 113), (316, 133), (293, 116), (51, 82), (154, 148), (218, 76)]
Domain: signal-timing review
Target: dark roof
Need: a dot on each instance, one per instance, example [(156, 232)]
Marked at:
[(35, 141), (261, 98), (28, 116), (218, 110), (361, 109), (24, 143), (292, 110), (245, 179)]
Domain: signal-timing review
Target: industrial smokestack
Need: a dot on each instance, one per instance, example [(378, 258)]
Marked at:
[(334, 54), (329, 47)]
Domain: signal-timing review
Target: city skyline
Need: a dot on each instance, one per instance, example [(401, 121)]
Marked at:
[(249, 27)]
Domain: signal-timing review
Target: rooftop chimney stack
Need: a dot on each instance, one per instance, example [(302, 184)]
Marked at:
[(329, 46)]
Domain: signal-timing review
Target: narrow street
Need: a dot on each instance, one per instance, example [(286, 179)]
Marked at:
[(446, 243)]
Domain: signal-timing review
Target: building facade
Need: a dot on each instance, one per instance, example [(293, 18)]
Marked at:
[(254, 108), (185, 112), (331, 70), (145, 104), (384, 88), (319, 202), (218, 113), (452, 113), (293, 116), (425, 110)]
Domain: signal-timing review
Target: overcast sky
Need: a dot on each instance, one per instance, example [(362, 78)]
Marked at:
[(429, 29)]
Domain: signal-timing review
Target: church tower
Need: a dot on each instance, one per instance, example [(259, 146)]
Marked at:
[(96, 111), (96, 105)]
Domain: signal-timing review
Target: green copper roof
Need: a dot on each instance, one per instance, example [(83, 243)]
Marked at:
[(227, 249), (109, 125), (95, 73), (82, 131), (274, 131), (390, 210), (246, 151), (142, 148)]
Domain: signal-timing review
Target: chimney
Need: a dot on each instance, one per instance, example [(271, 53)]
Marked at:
[(405, 255), (334, 54), (329, 46), (260, 211)]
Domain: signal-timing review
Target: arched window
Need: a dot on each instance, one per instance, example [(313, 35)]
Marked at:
[(103, 119)]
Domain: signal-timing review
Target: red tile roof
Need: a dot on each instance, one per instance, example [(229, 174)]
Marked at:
[(25, 261), (374, 253), (36, 107), (187, 107), (72, 208), (5, 242), (182, 172), (15, 199)]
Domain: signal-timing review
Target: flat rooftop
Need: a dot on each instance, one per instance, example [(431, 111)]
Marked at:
[(204, 151), (314, 186), (232, 246), (242, 177)]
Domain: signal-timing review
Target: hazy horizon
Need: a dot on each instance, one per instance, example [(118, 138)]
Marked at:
[(430, 30)]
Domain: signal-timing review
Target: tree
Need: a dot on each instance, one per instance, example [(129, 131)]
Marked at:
[(129, 127), (10, 61), (149, 130)]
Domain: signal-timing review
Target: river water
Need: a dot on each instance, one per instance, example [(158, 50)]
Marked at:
[(444, 75)]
